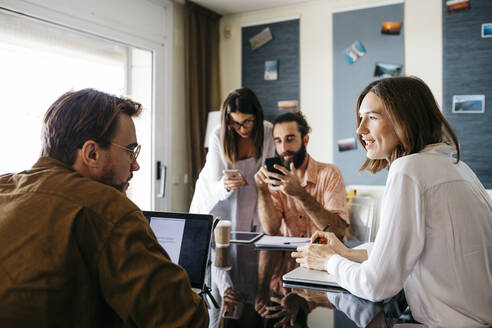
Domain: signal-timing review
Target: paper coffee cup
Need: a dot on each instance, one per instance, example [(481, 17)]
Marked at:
[(223, 233), (223, 258)]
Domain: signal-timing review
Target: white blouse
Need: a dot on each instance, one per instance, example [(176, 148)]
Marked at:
[(434, 240), (240, 205)]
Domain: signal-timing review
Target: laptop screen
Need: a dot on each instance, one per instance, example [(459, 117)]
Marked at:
[(186, 239)]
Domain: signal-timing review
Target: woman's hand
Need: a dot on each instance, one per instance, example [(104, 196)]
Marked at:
[(232, 183), (313, 256), (330, 239)]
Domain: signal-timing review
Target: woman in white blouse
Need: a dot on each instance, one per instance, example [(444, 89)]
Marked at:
[(242, 142), (435, 235)]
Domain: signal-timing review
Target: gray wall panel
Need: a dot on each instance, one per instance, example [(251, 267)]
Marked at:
[(468, 71), (283, 47), (349, 79)]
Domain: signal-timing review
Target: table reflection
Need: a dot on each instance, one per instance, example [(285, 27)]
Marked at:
[(247, 283)]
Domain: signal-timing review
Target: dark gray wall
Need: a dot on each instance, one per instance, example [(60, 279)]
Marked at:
[(283, 47), (468, 71), (349, 79)]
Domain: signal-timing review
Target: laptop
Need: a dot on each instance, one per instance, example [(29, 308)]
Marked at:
[(312, 279), (186, 239)]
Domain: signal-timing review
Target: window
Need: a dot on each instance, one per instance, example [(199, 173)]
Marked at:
[(41, 61)]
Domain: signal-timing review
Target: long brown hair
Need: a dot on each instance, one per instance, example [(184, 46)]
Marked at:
[(412, 109), (244, 101), (78, 116)]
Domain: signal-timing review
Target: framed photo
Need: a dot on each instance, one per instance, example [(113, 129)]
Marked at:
[(487, 30), (469, 104)]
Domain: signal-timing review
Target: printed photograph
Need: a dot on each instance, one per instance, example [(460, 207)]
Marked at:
[(347, 144), (455, 6), (387, 70), (487, 30), (469, 104), (391, 28), (358, 48), (271, 70), (260, 39), (289, 105), (350, 56)]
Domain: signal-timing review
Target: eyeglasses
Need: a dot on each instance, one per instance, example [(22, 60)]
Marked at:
[(133, 152), (246, 124)]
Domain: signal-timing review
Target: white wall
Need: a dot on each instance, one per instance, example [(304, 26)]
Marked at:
[(423, 56)]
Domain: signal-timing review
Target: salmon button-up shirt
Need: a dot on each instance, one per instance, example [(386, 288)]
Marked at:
[(322, 181)]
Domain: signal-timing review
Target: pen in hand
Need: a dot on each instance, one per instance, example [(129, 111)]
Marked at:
[(318, 239), (295, 242)]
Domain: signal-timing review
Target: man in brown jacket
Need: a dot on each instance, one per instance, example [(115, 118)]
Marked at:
[(74, 250)]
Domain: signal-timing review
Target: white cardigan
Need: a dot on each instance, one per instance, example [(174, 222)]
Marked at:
[(238, 206)]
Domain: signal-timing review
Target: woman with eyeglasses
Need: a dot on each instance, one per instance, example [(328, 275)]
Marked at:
[(237, 150)]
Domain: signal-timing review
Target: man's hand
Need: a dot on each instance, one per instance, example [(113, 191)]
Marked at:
[(313, 256), (288, 182), (261, 303), (261, 178), (286, 310)]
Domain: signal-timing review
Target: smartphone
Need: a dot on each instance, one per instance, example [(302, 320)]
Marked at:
[(269, 162), (232, 173)]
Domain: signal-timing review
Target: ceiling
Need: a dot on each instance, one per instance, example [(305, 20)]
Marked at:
[(230, 7)]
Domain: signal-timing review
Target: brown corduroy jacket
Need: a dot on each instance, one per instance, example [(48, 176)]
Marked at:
[(77, 253)]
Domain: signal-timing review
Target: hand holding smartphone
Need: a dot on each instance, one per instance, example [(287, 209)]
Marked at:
[(233, 179), (232, 173), (270, 162)]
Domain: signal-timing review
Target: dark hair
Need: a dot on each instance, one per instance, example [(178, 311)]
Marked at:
[(78, 116), (411, 108), (244, 101), (302, 124)]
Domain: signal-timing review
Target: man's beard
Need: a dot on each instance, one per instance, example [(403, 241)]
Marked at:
[(107, 178), (297, 158)]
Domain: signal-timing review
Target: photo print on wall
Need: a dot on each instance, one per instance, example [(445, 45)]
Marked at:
[(469, 104), (347, 144), (391, 28), (354, 52), (487, 30), (288, 105), (271, 70), (387, 70), (260, 39), (455, 6)]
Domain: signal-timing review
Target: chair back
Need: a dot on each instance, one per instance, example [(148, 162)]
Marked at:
[(362, 212)]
